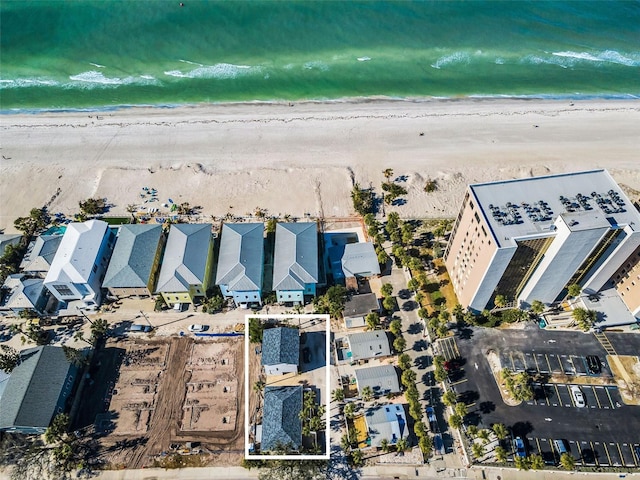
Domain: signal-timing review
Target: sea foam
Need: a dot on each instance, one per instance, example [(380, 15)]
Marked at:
[(93, 79), (219, 71), (452, 59), (610, 56), (27, 82)]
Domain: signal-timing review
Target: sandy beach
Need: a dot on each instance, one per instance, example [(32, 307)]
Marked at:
[(302, 158)]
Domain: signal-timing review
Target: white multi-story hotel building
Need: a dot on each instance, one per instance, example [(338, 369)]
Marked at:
[(528, 239)]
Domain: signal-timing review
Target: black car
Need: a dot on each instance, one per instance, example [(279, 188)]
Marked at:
[(593, 364)]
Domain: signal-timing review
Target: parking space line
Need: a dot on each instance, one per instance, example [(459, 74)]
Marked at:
[(560, 362), (570, 396), (456, 345), (633, 456), (548, 363), (595, 457), (513, 365), (582, 462), (535, 360), (558, 394), (607, 452), (459, 382), (597, 399), (623, 462), (610, 400)]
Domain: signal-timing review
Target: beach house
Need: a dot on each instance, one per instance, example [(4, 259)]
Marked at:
[(281, 424), (295, 263), (187, 263), (382, 379), (241, 262), (359, 262), (357, 307), (23, 292), (366, 345), (80, 263), (135, 261), (387, 422), (37, 389), (280, 350), (40, 255)]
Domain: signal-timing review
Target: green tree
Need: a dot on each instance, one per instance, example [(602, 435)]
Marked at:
[(399, 344), (500, 301), (478, 450), (332, 302), (363, 199), (455, 421), (472, 431), (419, 429), (500, 430), (373, 321), (408, 377), (412, 393), (521, 463), (501, 454), (337, 395), (442, 331), (449, 398), (574, 290), (345, 444), (461, 409), (584, 318), (58, 428), (99, 330), (536, 462), (367, 393), (395, 326), (74, 356), (567, 461), (415, 410), (404, 361), (458, 311), (426, 445), (356, 457), (402, 445), (389, 304), (384, 445), (37, 220), (383, 258), (256, 328), (349, 410), (386, 289), (213, 304), (92, 206), (537, 307), (413, 284), (271, 225), (9, 358), (258, 386), (439, 373), (483, 435), (388, 173)]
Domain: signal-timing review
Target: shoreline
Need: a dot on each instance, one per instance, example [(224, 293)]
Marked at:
[(375, 99), (303, 159)]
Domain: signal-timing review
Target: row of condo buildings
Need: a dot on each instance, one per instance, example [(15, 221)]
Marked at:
[(91, 259), (529, 239)]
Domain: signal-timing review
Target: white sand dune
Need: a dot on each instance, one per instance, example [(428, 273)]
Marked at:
[(302, 159)]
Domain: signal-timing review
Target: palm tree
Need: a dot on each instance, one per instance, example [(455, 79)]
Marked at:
[(408, 377), (345, 444), (356, 457), (460, 409), (500, 430), (449, 398), (501, 454), (399, 344), (373, 321), (388, 173), (537, 307), (384, 445), (258, 387), (404, 361), (337, 395), (478, 450), (455, 421), (483, 435), (349, 410), (536, 462), (367, 393), (567, 461), (401, 445), (500, 301)]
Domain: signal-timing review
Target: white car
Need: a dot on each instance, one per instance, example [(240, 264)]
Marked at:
[(198, 328), (578, 398)]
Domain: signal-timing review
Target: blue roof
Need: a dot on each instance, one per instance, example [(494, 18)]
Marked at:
[(280, 345), (281, 424)]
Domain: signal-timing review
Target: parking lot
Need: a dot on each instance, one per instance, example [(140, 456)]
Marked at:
[(550, 363), (590, 453), (605, 421), (559, 395)]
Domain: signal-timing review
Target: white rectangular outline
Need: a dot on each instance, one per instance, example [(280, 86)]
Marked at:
[(327, 454)]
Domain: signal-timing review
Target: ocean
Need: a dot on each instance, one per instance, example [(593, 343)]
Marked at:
[(64, 55)]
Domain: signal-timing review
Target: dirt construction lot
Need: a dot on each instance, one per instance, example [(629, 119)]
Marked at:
[(176, 390)]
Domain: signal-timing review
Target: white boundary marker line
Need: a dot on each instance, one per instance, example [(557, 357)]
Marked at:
[(327, 400)]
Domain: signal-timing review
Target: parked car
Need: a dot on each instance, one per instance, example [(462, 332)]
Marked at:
[(137, 328), (561, 446), (593, 364), (521, 449), (198, 328), (578, 397)]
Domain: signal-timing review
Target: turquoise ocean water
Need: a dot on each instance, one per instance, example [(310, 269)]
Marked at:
[(102, 54)]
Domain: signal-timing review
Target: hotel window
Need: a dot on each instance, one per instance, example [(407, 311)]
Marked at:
[(477, 217), (63, 290), (471, 204)]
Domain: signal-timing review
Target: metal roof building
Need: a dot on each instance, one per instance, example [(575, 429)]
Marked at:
[(36, 390), (281, 424), (360, 260), (295, 256), (369, 345), (386, 422), (185, 258), (134, 256), (382, 379), (41, 253), (241, 259)]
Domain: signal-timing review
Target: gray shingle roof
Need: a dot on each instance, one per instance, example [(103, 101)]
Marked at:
[(369, 345), (41, 253), (280, 345), (185, 257), (34, 387), (295, 256), (240, 263), (133, 256), (382, 378), (280, 422), (360, 259), (361, 305)]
